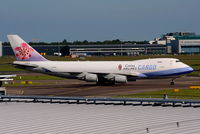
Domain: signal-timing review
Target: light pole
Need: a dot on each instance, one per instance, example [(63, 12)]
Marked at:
[(121, 48)]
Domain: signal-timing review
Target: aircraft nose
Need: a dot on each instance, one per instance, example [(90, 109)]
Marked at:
[(190, 69), (187, 68)]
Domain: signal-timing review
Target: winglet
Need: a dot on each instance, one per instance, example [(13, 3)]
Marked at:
[(23, 51)]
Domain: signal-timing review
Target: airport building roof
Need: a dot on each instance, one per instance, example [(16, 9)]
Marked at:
[(192, 37), (53, 118)]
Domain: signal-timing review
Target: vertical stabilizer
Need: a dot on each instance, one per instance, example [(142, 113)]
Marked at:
[(23, 51)]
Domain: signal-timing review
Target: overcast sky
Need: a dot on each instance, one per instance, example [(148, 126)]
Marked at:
[(97, 20)]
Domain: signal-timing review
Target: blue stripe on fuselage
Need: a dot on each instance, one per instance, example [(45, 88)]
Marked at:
[(171, 72)]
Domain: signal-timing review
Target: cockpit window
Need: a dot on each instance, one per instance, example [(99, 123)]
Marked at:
[(178, 61)]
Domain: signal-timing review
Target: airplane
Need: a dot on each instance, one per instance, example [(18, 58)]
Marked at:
[(6, 78), (100, 72)]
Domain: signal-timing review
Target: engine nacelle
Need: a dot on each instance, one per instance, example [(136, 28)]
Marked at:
[(91, 77), (120, 79)]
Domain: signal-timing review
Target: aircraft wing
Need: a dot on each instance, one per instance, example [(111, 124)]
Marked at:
[(118, 78), (137, 74)]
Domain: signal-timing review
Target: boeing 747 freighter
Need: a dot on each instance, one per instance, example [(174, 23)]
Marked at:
[(97, 71)]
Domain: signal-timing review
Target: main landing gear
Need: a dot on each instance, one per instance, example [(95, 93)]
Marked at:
[(103, 82)]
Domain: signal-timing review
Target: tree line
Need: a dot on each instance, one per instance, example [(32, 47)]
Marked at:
[(85, 42)]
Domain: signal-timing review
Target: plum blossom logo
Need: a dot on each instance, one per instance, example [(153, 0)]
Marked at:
[(23, 51), (120, 67)]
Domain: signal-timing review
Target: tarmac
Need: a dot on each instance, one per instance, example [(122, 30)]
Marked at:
[(90, 89)]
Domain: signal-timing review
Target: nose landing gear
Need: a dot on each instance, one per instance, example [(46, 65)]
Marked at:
[(172, 82)]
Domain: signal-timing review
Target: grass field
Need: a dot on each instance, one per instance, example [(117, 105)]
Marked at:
[(172, 93), (37, 77)]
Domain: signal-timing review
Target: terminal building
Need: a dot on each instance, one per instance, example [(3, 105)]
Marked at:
[(186, 45), (114, 49), (180, 42)]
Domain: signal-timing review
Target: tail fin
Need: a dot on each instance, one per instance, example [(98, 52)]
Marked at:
[(23, 51)]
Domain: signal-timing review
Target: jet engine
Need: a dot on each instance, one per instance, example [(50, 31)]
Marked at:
[(120, 79), (116, 78), (91, 77), (88, 77)]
